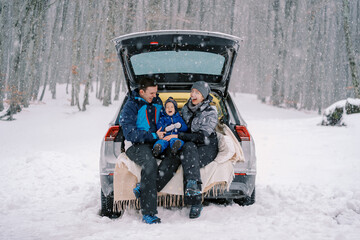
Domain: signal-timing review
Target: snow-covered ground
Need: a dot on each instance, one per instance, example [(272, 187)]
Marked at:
[(307, 183)]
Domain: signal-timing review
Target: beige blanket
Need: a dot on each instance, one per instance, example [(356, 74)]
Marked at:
[(216, 176)]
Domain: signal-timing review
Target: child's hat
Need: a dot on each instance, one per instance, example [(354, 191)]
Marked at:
[(170, 99)]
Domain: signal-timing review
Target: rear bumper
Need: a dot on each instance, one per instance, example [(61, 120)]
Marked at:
[(241, 187)]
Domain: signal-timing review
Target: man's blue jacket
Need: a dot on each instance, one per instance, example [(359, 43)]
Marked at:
[(138, 118)]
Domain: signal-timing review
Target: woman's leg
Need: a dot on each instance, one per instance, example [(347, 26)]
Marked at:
[(190, 162), (207, 153)]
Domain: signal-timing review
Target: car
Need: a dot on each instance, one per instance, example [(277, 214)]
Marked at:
[(176, 59)]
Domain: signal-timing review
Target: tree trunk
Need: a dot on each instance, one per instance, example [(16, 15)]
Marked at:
[(109, 49), (152, 14), (130, 16), (278, 38), (351, 58), (75, 77), (38, 49), (189, 16), (4, 44), (61, 50), (92, 50), (14, 94), (50, 61), (232, 19)]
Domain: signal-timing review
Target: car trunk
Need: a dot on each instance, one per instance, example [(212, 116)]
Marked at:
[(177, 59)]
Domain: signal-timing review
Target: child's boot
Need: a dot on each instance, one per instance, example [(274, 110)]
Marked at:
[(176, 146), (157, 150)]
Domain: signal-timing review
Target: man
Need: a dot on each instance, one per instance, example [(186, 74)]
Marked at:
[(138, 120)]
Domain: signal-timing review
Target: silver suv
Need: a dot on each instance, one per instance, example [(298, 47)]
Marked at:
[(176, 59)]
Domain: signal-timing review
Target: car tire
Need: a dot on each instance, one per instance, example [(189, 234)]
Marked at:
[(246, 201), (107, 203)]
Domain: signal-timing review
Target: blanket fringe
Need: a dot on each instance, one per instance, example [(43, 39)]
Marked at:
[(216, 190), (168, 200), (121, 206)]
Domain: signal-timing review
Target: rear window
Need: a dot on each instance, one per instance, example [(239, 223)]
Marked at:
[(177, 62)]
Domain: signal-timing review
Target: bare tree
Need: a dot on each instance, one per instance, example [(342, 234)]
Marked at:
[(153, 15), (22, 41), (109, 54), (93, 29), (300, 54), (189, 20), (38, 38), (349, 49), (53, 42), (75, 79), (278, 41), (4, 53), (58, 67), (130, 16)]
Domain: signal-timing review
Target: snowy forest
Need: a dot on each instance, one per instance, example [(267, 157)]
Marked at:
[(294, 54)]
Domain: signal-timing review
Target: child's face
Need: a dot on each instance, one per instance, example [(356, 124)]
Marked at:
[(170, 109)]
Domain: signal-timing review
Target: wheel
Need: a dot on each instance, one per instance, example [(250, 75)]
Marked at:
[(246, 201), (107, 206)]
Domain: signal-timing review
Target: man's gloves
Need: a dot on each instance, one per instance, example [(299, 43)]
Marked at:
[(172, 127)]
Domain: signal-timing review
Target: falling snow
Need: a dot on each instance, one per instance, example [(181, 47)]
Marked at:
[(306, 184)]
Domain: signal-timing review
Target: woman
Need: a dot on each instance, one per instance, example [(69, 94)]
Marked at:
[(200, 148)]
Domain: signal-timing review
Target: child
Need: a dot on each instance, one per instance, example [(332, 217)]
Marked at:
[(172, 123)]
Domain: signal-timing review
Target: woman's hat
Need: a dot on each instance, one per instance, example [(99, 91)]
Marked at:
[(202, 87)]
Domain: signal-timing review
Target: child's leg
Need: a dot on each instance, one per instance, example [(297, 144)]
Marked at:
[(163, 143), (176, 144), (173, 140)]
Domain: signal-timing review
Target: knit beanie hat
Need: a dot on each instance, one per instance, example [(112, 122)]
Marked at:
[(170, 99), (202, 87)]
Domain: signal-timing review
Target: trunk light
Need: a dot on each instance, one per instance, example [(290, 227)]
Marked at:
[(154, 43), (240, 174), (111, 134), (243, 133)]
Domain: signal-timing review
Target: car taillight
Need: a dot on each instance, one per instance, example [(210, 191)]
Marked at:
[(111, 134), (240, 174), (243, 133)]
